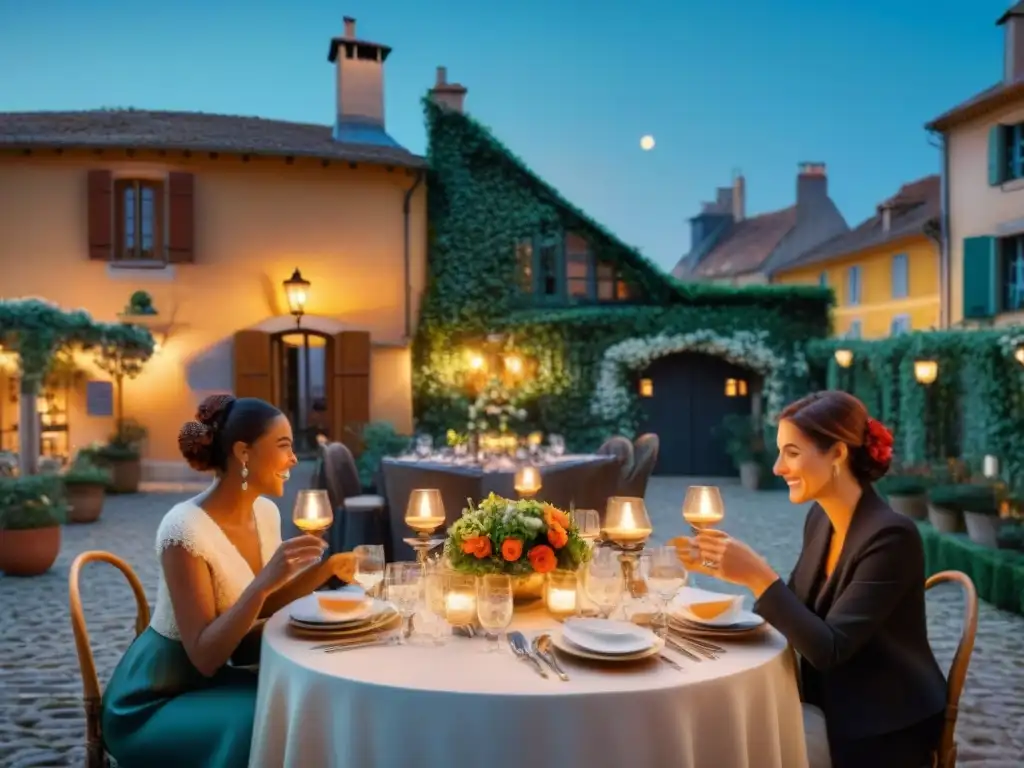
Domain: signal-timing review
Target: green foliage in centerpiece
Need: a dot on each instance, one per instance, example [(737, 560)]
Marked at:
[(514, 537)]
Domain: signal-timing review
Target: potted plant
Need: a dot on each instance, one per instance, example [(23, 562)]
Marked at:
[(907, 494), (950, 505), (745, 446), (32, 511), (85, 486), (122, 456)]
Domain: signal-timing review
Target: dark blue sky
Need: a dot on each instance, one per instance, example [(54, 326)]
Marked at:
[(570, 86)]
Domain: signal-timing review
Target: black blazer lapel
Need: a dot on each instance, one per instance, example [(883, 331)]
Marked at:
[(812, 558), (861, 529)]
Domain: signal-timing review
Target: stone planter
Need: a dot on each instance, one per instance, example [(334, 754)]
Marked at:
[(125, 475), (30, 551), (914, 506), (750, 475), (86, 501), (983, 528), (945, 520)]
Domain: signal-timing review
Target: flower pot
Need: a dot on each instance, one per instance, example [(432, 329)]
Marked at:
[(945, 520), (983, 528), (86, 501), (527, 589), (29, 551), (125, 475), (750, 475), (914, 506)]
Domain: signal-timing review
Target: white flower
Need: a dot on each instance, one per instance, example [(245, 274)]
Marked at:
[(471, 412)]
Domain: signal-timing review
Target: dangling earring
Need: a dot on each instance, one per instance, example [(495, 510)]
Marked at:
[(835, 472), (245, 477)]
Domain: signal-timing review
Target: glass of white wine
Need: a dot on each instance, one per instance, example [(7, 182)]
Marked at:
[(369, 566), (403, 584), (604, 581), (665, 576), (588, 523), (312, 512), (494, 606)]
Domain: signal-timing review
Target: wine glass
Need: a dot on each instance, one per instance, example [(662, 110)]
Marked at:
[(312, 512), (604, 581), (494, 606), (588, 523), (665, 576), (556, 444), (369, 566), (424, 446), (403, 583), (435, 582)]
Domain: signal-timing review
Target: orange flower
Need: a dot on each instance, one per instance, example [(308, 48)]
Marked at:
[(542, 558), (478, 546), (511, 549), (557, 537), (556, 516)]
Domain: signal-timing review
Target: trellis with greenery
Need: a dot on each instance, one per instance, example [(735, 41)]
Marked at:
[(483, 200), (35, 330)]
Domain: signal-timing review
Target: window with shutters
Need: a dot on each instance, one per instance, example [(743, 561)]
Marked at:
[(1013, 151), (853, 286), (1012, 253), (900, 276), (138, 220), (556, 269)]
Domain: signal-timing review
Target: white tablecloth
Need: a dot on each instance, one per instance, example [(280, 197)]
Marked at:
[(456, 706)]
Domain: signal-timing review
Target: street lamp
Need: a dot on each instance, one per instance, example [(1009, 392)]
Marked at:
[(296, 288), (844, 357), (926, 371)]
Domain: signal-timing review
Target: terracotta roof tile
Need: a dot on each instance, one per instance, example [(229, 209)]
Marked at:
[(912, 208), (197, 131), (980, 104), (747, 245)]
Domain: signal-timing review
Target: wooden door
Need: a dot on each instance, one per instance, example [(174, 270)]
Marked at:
[(349, 402), (253, 372)]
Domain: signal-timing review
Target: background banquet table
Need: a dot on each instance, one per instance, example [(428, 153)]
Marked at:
[(457, 706), (585, 481)]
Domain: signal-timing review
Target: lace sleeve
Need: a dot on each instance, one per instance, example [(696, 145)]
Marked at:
[(181, 528)]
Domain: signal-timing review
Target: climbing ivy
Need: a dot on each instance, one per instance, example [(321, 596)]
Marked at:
[(483, 199), (974, 408)]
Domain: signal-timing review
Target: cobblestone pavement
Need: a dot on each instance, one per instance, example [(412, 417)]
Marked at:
[(41, 719)]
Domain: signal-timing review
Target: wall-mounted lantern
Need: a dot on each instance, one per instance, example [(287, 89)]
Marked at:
[(646, 388), (844, 358), (296, 288), (926, 371), (1019, 354)]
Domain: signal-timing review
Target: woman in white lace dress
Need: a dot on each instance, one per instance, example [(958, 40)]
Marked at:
[(174, 700)]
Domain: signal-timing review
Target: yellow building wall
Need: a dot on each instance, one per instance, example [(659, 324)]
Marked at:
[(254, 223), (877, 307)]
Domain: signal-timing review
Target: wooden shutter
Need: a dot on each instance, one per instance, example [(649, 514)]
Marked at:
[(181, 210), (253, 371), (101, 215), (981, 277), (350, 394), (996, 155)]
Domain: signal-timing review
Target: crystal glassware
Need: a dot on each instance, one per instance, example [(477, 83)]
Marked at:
[(588, 523), (703, 506), (369, 566), (665, 576), (494, 606), (312, 512), (403, 585), (605, 583)]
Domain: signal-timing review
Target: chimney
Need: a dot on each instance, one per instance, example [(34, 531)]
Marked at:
[(360, 86), (739, 198), (1013, 43), (811, 186), (886, 212), (447, 95)]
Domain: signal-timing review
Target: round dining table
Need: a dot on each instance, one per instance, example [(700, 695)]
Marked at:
[(458, 705)]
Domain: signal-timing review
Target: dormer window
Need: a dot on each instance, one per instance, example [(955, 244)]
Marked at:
[(564, 269)]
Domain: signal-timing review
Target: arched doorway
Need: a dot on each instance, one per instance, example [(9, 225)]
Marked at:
[(301, 376), (684, 398)]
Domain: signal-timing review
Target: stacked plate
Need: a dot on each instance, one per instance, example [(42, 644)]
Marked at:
[(700, 612), (606, 640), (343, 613)]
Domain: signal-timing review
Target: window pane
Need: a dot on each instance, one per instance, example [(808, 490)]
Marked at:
[(524, 265), (549, 269), (577, 265), (128, 203), (147, 221), (605, 290), (578, 289)]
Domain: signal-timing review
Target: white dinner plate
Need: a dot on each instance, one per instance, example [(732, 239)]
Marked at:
[(567, 646), (607, 637), (744, 621), (309, 611)]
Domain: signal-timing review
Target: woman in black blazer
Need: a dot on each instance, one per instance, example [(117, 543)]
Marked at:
[(854, 606)]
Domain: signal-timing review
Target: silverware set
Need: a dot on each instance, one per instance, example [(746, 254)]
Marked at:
[(693, 648)]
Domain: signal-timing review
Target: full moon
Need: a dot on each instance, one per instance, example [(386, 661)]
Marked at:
[(647, 143)]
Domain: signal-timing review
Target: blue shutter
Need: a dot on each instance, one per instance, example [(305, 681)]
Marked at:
[(996, 155), (981, 272)]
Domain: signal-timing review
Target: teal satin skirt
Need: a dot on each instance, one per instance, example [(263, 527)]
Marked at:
[(160, 712)]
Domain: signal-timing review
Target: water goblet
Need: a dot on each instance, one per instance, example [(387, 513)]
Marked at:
[(435, 580), (665, 576), (369, 566), (604, 582), (588, 523), (403, 583), (494, 607), (424, 446)]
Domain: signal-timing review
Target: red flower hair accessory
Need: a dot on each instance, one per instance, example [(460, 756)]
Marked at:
[(878, 442)]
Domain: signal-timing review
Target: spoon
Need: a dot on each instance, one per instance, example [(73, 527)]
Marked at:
[(521, 648), (542, 647)]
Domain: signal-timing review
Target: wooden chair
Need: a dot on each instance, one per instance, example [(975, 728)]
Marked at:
[(945, 757), (96, 756)]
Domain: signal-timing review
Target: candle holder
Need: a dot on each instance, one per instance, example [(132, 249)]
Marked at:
[(627, 528), (424, 514), (561, 594), (527, 481), (460, 600)]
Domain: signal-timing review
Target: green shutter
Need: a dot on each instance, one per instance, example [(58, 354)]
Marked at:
[(980, 277), (996, 155)]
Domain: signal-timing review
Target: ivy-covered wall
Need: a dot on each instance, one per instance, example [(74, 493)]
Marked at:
[(974, 408), (482, 201)]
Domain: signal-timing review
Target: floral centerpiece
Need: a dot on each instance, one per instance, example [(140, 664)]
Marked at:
[(525, 539), (494, 409)]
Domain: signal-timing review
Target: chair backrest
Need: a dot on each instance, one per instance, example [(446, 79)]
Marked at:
[(91, 693), (646, 452), (622, 449), (946, 757), (340, 473)]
